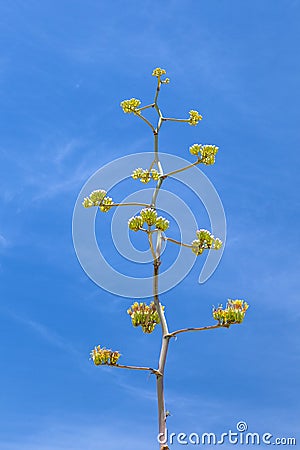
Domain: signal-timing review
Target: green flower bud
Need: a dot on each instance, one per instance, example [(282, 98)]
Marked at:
[(131, 106), (204, 235), (208, 153), (87, 203), (155, 174), (218, 244), (145, 177), (94, 199), (105, 356), (162, 224), (106, 204), (149, 216), (205, 241), (97, 196), (158, 72), (233, 313), (97, 360), (148, 328), (195, 149), (135, 223), (114, 357), (196, 247), (102, 356), (137, 173), (195, 117), (144, 315)]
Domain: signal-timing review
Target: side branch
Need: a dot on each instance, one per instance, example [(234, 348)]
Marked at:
[(131, 204), (147, 122), (155, 193), (182, 169), (157, 91), (151, 244), (184, 330), (146, 107), (149, 369), (172, 119), (176, 242)]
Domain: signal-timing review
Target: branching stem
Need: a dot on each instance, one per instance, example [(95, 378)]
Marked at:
[(182, 169), (166, 335), (151, 245), (184, 330), (147, 122), (156, 264), (149, 369), (176, 242), (145, 205), (172, 119), (146, 107)]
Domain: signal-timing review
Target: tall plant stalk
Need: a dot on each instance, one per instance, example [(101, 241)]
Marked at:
[(148, 316)]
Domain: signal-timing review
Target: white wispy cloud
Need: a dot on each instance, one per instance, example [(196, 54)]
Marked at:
[(45, 333), (50, 171), (66, 150), (4, 242)]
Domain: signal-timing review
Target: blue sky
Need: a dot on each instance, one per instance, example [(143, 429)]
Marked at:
[(64, 68)]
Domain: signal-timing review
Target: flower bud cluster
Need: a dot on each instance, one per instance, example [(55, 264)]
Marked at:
[(131, 106), (205, 152), (205, 241), (102, 356), (148, 216), (162, 224), (144, 315), (234, 312), (106, 204), (158, 72), (145, 175), (195, 117), (135, 223), (98, 198)]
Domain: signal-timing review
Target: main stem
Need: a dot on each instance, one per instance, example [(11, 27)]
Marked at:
[(162, 358), (164, 326)]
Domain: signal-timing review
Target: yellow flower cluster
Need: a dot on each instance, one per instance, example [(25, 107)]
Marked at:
[(131, 106), (162, 224), (195, 117), (205, 152), (144, 315), (145, 175), (106, 204), (233, 313), (158, 72), (103, 356), (208, 153), (205, 240), (148, 216), (135, 223), (98, 198)]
